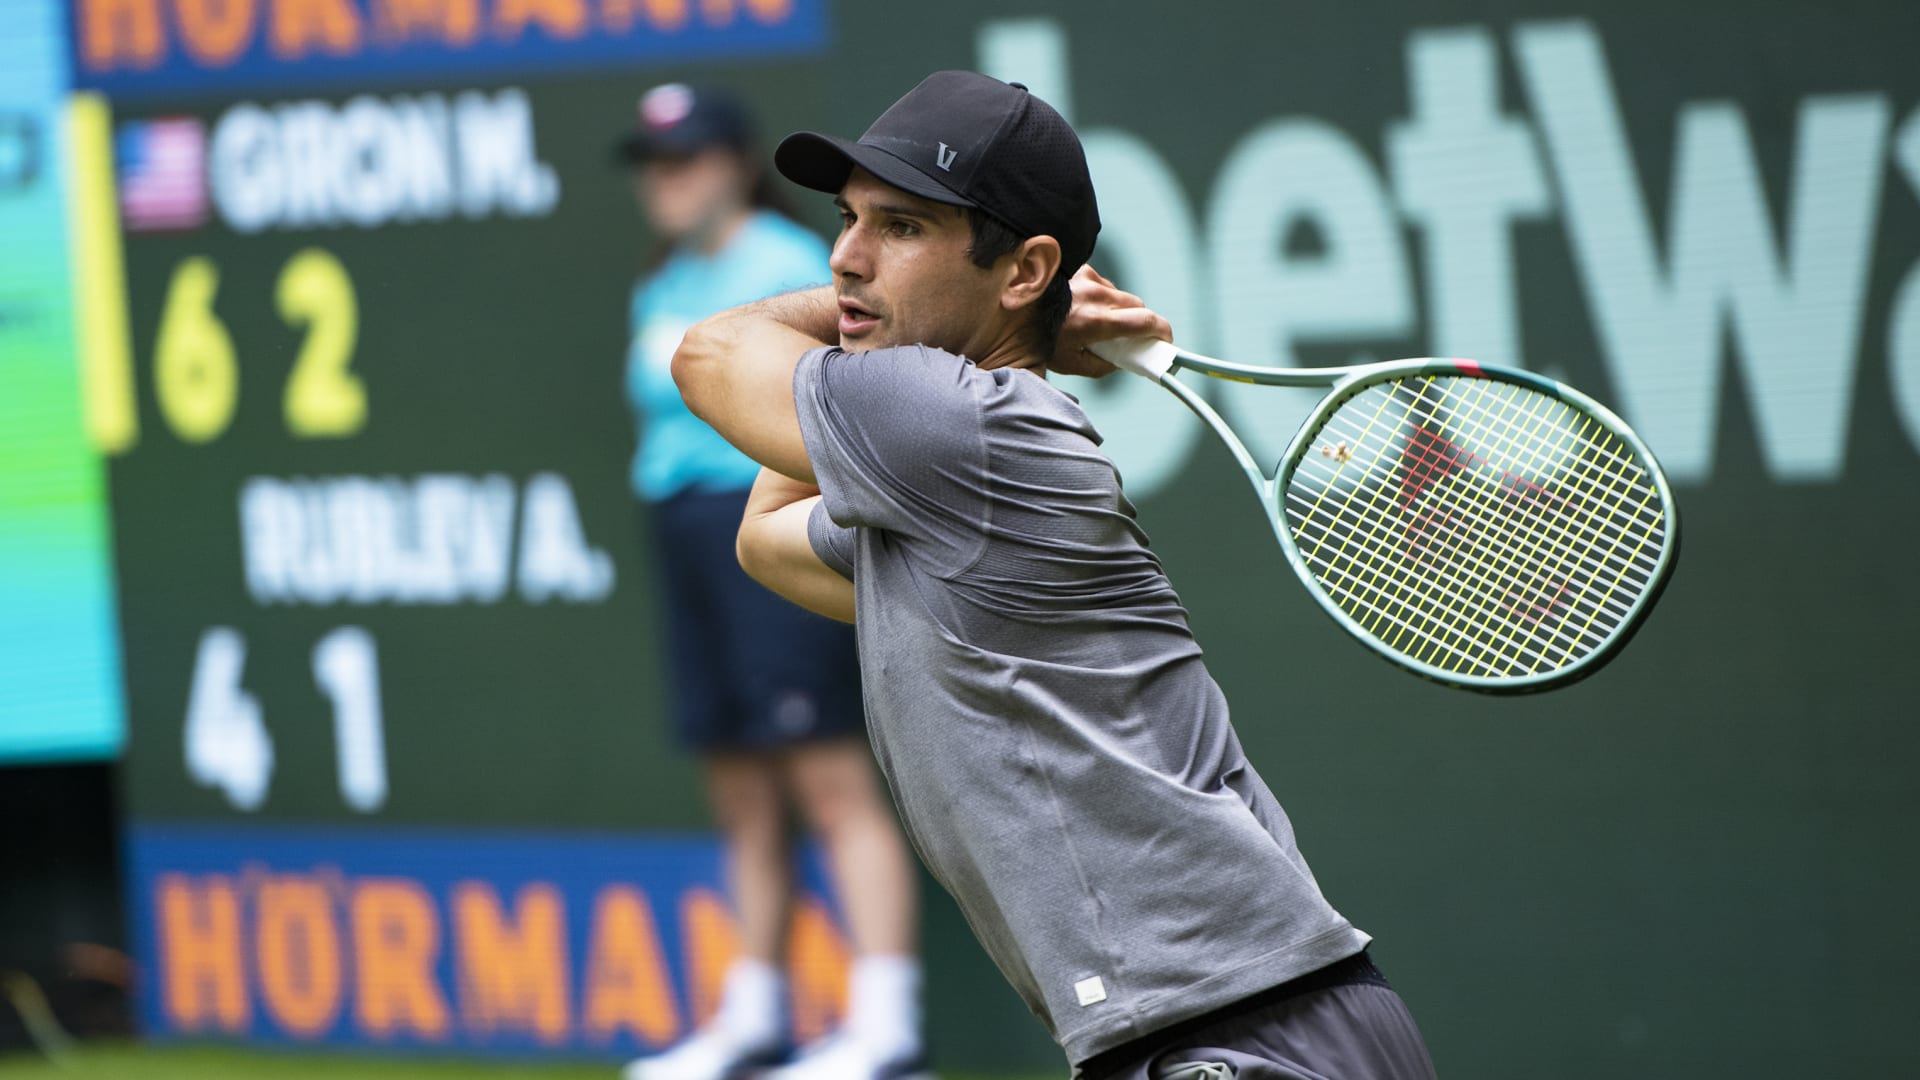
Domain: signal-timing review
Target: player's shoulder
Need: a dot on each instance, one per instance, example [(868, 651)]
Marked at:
[(993, 387), (898, 363), (1016, 400), (907, 379)]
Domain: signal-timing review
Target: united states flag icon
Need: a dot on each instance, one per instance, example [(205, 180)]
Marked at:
[(163, 177)]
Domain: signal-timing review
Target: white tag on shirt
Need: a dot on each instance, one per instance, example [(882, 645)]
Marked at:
[(1091, 991)]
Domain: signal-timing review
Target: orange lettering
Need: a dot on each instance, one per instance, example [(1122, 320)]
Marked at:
[(712, 944), (298, 946), (121, 33), (817, 957), (216, 32), (456, 22), (620, 15), (201, 974), (300, 26), (559, 18), (512, 975), (717, 12), (770, 11), (627, 985), (396, 940)]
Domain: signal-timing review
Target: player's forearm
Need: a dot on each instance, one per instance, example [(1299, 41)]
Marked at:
[(772, 491), (807, 319), (774, 549), (813, 313)]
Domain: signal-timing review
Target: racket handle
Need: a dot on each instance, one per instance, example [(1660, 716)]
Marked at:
[(1146, 357)]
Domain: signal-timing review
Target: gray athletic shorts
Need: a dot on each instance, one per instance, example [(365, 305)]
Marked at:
[(1344, 1023)]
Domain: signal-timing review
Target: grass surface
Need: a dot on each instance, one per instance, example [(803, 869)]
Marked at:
[(205, 1063)]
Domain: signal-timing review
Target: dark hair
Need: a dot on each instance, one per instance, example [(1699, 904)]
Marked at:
[(992, 239)]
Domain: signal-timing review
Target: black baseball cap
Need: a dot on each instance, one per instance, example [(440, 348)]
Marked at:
[(964, 139), (680, 120)]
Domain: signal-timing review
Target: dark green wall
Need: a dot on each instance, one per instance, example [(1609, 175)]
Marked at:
[(1696, 864)]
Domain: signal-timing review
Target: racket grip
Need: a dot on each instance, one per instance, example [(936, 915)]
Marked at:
[(1146, 357)]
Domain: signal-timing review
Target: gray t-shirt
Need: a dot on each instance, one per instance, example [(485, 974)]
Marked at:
[(1060, 756)]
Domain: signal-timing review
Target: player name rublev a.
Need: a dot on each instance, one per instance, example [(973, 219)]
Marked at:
[(430, 539)]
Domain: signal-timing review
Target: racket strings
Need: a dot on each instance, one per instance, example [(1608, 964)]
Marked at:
[(1449, 619), (1507, 578), (1438, 624), (1548, 541), (1419, 459), (1505, 440), (1551, 548), (1432, 624), (1495, 532), (1475, 524), (1401, 610)]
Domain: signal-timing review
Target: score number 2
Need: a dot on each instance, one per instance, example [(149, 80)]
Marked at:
[(197, 376), (227, 745)]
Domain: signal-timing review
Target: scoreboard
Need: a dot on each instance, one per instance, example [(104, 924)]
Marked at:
[(377, 473), (355, 349)]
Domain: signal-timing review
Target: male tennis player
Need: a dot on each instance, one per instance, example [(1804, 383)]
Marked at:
[(1059, 753)]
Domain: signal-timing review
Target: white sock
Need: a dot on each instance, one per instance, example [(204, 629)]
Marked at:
[(752, 1002), (883, 1008)]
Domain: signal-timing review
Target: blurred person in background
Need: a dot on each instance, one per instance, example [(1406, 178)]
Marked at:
[(766, 693)]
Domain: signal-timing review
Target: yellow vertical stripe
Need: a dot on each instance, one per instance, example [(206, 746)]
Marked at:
[(99, 279)]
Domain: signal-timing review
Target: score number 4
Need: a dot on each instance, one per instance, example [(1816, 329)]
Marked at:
[(228, 747), (197, 376)]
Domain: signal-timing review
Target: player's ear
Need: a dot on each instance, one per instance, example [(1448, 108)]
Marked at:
[(1032, 266)]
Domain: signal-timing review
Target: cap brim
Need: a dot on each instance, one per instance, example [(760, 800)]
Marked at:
[(823, 163), (632, 150), (640, 147)]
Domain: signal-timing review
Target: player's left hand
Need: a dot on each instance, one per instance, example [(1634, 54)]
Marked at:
[(1101, 311)]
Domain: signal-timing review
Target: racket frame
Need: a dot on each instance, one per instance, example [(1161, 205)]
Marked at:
[(1159, 361)]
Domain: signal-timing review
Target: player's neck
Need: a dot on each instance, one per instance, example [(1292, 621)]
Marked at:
[(1013, 350)]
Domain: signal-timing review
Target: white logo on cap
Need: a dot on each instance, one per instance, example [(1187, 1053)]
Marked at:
[(946, 157), (665, 106)]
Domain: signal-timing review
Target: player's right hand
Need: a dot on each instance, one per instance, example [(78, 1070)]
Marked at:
[(1102, 311)]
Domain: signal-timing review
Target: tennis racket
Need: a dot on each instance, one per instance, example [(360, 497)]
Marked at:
[(1484, 527)]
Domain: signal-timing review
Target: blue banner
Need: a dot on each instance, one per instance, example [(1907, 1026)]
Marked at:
[(445, 940), (148, 48)]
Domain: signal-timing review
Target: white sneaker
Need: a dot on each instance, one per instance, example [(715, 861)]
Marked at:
[(843, 1057), (708, 1054)]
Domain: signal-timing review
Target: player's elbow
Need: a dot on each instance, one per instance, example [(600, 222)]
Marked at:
[(696, 367), (753, 548)]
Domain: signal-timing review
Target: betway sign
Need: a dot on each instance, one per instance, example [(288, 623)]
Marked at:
[(1786, 301)]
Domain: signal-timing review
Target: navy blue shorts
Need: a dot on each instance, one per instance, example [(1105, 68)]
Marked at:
[(749, 669)]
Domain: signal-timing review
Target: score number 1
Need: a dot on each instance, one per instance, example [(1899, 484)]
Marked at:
[(228, 747)]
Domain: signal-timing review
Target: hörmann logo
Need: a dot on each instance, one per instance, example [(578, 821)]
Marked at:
[(377, 161), (354, 937), (134, 48), (1787, 303)]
